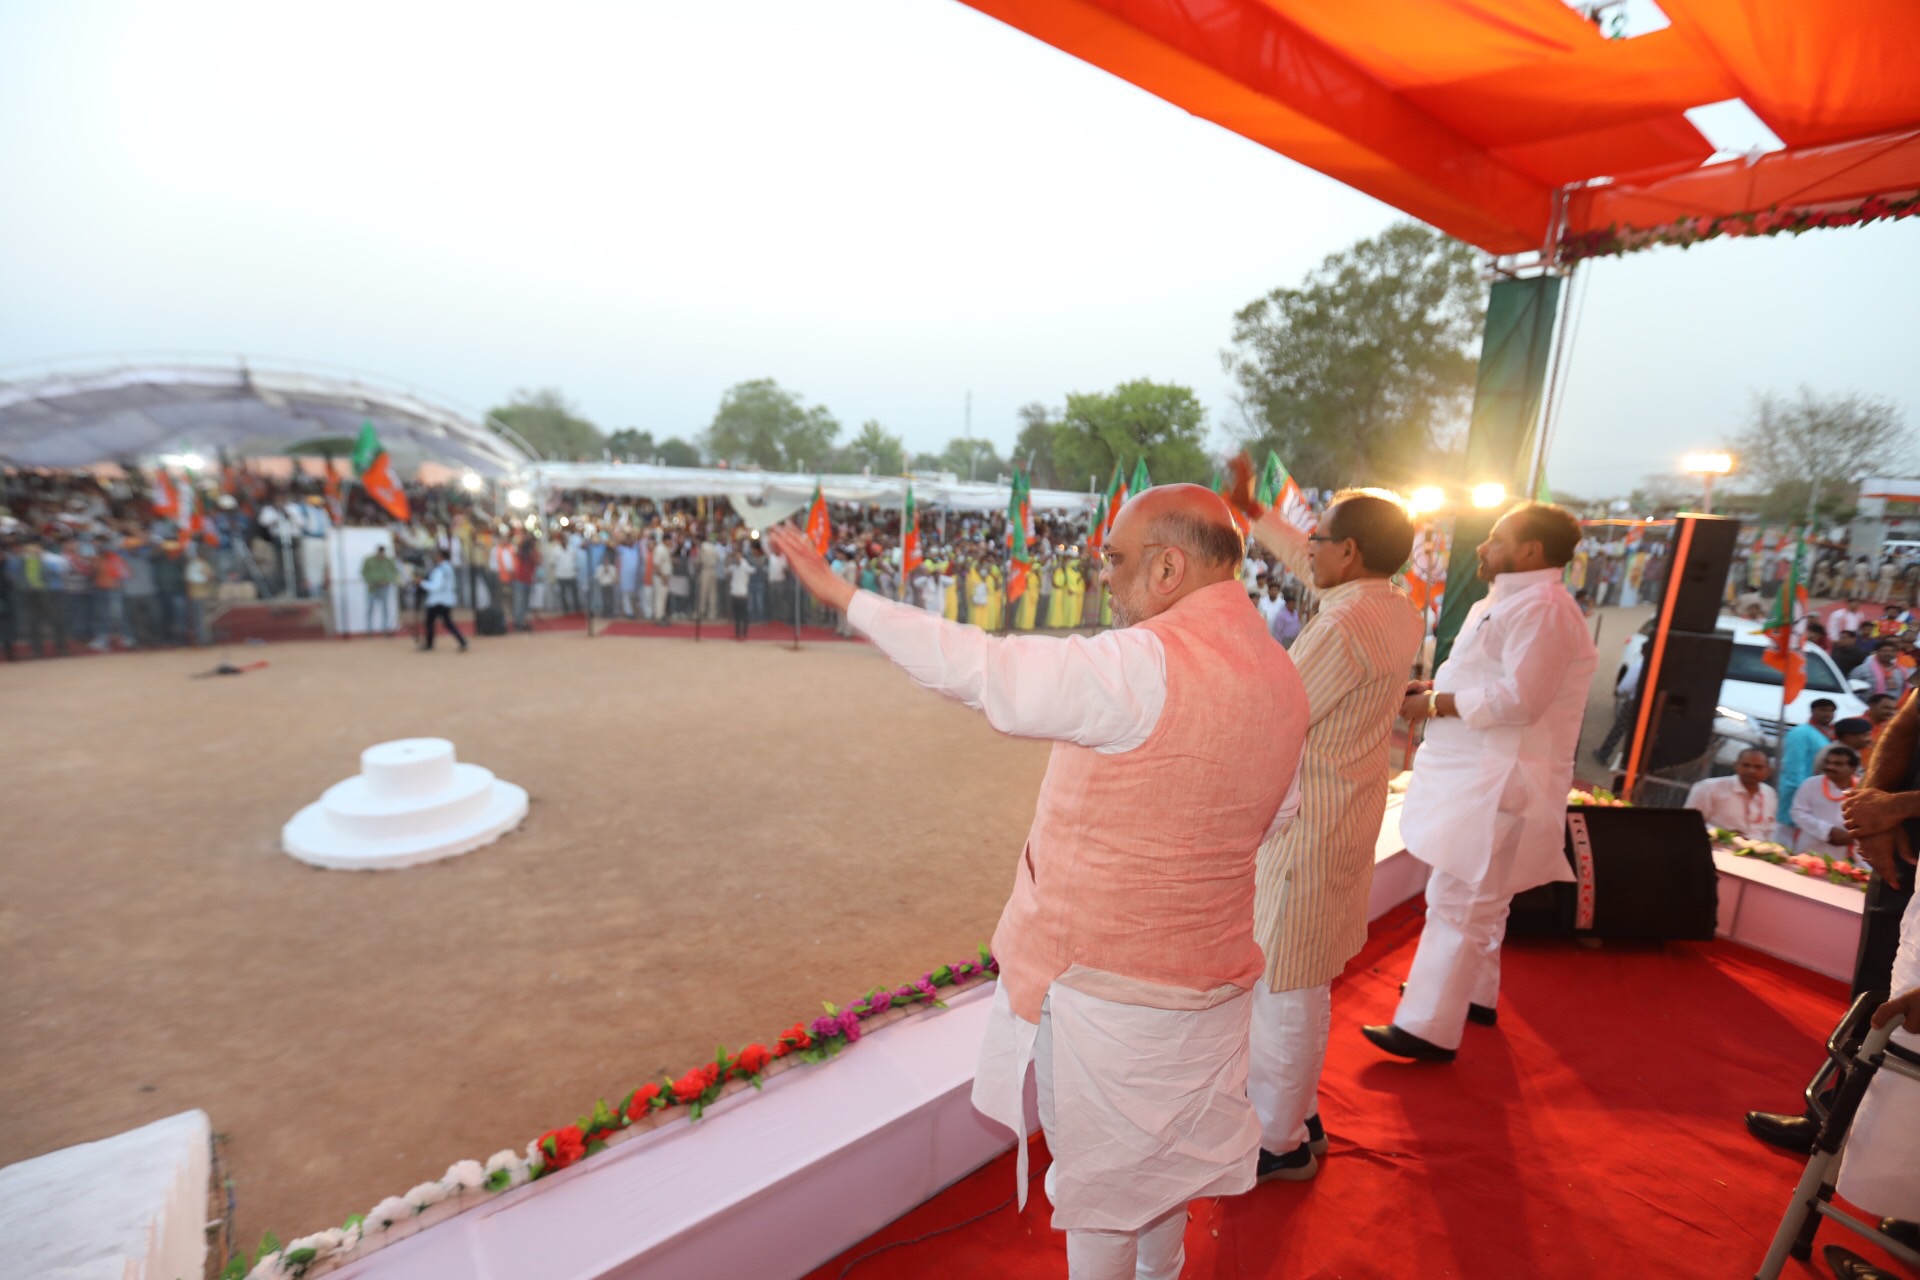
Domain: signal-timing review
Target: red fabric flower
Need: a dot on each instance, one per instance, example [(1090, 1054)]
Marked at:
[(642, 1101), (752, 1060), (690, 1086), (794, 1037), (563, 1147)]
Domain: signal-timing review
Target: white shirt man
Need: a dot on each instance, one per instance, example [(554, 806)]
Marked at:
[(1486, 807), (1743, 803), (1817, 819), (662, 578)]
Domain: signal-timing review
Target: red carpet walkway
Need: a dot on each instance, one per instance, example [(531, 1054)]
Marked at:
[(1595, 1132)]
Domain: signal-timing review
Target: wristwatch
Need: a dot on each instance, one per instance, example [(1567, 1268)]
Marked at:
[(1433, 705)]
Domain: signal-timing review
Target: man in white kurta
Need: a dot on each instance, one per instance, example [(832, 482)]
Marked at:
[(1126, 954), (1742, 803), (1486, 806)]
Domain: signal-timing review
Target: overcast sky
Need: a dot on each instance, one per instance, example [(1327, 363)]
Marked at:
[(883, 204)]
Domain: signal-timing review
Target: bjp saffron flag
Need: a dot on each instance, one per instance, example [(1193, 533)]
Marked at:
[(373, 466), (910, 557), (189, 516), (1097, 530), (1116, 498), (819, 526), (1784, 628), (1281, 494), (1240, 521), (161, 496), (1019, 551)]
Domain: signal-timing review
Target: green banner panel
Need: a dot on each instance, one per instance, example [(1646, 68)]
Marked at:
[(1514, 351)]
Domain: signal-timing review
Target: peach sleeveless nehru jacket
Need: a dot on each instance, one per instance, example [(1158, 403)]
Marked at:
[(1140, 864)]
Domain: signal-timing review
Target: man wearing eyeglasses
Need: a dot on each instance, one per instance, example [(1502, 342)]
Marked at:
[(1126, 952), (1310, 907), (1487, 805)]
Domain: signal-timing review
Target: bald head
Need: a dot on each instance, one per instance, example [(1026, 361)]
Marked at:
[(1167, 543)]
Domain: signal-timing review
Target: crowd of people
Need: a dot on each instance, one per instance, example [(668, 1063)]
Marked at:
[(90, 564)]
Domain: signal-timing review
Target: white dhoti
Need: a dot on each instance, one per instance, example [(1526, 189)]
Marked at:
[(1458, 960), (313, 562), (1880, 1170), (1144, 1109), (1289, 1048)]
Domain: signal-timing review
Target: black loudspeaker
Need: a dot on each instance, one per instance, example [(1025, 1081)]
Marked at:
[(1681, 704), (1638, 873), (1698, 584)]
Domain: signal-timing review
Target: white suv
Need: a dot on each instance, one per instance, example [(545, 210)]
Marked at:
[(1748, 714)]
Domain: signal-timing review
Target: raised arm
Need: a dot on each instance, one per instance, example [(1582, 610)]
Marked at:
[(1269, 530), (1104, 692)]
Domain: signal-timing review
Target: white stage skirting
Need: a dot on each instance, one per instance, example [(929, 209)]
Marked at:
[(129, 1207), (1808, 922), (767, 1184)]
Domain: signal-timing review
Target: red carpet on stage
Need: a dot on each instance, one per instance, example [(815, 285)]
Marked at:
[(1596, 1132)]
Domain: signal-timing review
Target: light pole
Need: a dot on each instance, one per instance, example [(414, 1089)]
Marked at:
[(1707, 466)]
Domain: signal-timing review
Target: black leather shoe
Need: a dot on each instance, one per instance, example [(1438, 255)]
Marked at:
[(1907, 1233), (1851, 1266), (1789, 1133), (1316, 1136), (1485, 1015), (1403, 1044), (1297, 1165)]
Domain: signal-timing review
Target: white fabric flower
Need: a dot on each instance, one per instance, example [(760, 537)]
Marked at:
[(501, 1160), (268, 1268), (349, 1239), (389, 1211), (426, 1195), (467, 1175), (536, 1158), (323, 1243)]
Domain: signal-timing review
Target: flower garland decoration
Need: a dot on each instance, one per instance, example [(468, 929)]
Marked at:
[(1817, 866), (1614, 239), (696, 1090)]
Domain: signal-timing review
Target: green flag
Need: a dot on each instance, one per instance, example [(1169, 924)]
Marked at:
[(1273, 477), (1141, 481), (366, 449)]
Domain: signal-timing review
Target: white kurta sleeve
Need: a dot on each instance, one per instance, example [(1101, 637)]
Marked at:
[(1104, 691), (1535, 660)]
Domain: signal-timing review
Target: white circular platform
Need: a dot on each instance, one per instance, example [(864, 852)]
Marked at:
[(412, 802)]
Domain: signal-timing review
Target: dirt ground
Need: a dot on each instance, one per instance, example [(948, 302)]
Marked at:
[(721, 836)]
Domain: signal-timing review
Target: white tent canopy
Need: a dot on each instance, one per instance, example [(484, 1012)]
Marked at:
[(642, 480), (57, 418)]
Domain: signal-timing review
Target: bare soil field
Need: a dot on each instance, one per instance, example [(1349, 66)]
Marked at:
[(721, 836)]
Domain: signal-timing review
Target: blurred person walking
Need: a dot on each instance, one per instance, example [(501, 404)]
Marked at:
[(441, 594)]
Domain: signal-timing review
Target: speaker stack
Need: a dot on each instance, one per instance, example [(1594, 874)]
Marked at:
[(1685, 659)]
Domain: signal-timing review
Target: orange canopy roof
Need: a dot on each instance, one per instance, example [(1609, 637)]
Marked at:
[(1472, 114)]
